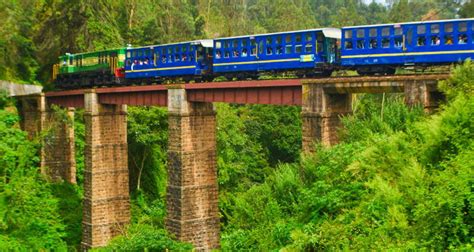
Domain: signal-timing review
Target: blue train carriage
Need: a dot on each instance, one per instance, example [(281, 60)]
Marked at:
[(307, 52), (382, 48), (154, 64)]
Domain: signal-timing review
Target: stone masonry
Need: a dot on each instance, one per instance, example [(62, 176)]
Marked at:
[(424, 93), (192, 192), (321, 112), (106, 194), (56, 132)]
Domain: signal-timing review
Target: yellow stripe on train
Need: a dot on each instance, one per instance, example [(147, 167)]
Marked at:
[(405, 54)]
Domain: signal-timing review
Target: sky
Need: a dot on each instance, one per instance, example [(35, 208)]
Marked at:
[(378, 1)]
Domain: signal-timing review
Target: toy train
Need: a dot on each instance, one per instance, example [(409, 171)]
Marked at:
[(368, 49)]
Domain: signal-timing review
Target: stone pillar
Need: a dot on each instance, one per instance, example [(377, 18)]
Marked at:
[(192, 192), (423, 93), (58, 159), (106, 207), (32, 110), (56, 132), (321, 112)]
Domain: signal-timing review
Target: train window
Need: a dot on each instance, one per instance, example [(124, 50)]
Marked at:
[(373, 44), (462, 39), (398, 42), (421, 29), (373, 32), (421, 41), (269, 50), (200, 53), (435, 28), (288, 49), (235, 53), (278, 40), (244, 43), (163, 51), (448, 39), (184, 57), (156, 57), (170, 51), (244, 52), (298, 38), (360, 44), (253, 49), (360, 33), (260, 47), (128, 62), (288, 39), (385, 42), (279, 49), (462, 27), (298, 48), (386, 31), (191, 57), (448, 27), (348, 45), (191, 48), (129, 54), (308, 37), (71, 61), (435, 41), (348, 34), (176, 57), (235, 43), (218, 54), (319, 46), (218, 45), (308, 48), (398, 31), (184, 48), (226, 54), (268, 41), (177, 49), (410, 36)]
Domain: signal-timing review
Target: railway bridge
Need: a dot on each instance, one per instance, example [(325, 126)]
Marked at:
[(192, 190)]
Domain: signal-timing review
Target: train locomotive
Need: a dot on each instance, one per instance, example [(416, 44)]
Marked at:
[(368, 49)]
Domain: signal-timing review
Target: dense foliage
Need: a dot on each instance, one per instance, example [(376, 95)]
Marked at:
[(401, 181)]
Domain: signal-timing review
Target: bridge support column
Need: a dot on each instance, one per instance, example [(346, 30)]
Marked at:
[(192, 192), (321, 112), (423, 93), (106, 207), (56, 130)]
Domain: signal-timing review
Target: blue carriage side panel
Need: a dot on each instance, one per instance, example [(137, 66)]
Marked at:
[(431, 42), (169, 60), (277, 51)]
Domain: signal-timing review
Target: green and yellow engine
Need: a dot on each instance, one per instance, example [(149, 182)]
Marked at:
[(91, 69)]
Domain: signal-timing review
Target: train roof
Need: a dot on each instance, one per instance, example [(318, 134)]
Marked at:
[(328, 32), (204, 42), (414, 22), (92, 52)]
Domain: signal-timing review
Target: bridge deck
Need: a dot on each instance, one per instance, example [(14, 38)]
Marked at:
[(278, 92)]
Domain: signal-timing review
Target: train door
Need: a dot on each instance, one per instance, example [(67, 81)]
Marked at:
[(204, 54), (113, 63), (330, 50), (260, 55), (408, 44), (253, 50)]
